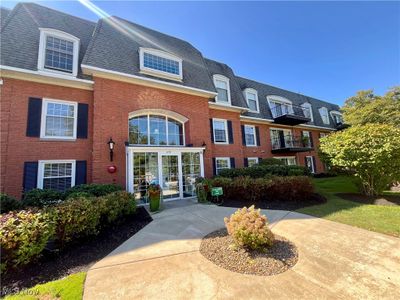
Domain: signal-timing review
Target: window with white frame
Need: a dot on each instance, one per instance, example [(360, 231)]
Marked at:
[(222, 163), (306, 138), (307, 111), (222, 86), (220, 130), (56, 174), (288, 161), (322, 134), (58, 52), (323, 111), (250, 135), (337, 117), (279, 106), (251, 161), (251, 96), (59, 119), (160, 63)]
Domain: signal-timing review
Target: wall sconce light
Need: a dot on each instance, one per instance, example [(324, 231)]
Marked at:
[(111, 144), (204, 145)]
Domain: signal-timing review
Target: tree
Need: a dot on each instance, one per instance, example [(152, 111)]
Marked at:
[(366, 108), (371, 151)]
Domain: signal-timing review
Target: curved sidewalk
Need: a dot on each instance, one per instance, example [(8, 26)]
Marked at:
[(162, 261)]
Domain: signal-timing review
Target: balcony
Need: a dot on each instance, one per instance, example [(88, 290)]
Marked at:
[(290, 114), (290, 144)]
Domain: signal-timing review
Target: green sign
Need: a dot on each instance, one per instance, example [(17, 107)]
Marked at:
[(217, 191)]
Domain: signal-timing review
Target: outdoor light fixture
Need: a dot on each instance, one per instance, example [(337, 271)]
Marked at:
[(111, 144)]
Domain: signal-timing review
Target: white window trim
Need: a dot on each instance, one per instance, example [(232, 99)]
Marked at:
[(312, 164), (286, 157), (44, 32), (228, 159), (254, 134), (335, 112), (327, 114), (226, 131), (160, 73), (252, 91), (45, 103), (309, 106), (274, 98), (252, 158), (41, 164), (226, 80)]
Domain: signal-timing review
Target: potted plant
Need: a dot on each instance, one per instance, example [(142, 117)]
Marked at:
[(154, 192), (202, 189)]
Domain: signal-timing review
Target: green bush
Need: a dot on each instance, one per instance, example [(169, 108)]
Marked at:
[(249, 229), (271, 161), (8, 203), (23, 236), (41, 198), (258, 171), (94, 189), (116, 205)]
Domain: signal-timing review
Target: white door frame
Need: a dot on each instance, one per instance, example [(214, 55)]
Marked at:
[(160, 171), (312, 163)]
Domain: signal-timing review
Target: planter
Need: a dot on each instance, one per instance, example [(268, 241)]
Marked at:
[(154, 199)]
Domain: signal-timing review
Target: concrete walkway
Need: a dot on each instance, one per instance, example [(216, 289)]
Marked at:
[(162, 261)]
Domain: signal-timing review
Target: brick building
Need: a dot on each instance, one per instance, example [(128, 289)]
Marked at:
[(69, 86)]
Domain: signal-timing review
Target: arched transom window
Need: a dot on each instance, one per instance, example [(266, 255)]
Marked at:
[(155, 130)]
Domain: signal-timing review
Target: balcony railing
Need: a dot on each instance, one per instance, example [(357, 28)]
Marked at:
[(290, 114), (290, 144)]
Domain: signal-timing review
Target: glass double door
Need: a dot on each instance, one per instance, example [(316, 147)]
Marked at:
[(170, 176)]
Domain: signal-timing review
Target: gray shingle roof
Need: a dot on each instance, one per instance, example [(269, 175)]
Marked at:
[(4, 12)]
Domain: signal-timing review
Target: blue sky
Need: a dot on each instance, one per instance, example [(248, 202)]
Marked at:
[(328, 50)]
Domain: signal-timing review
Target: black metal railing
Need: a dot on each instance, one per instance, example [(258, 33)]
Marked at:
[(290, 142), (293, 110)]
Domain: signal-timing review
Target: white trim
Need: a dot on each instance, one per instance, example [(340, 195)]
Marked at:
[(114, 75), (157, 111), (44, 32), (226, 131), (308, 106), (286, 157), (327, 114), (45, 103), (312, 163), (227, 107), (252, 158), (225, 79), (281, 100), (252, 91), (156, 72), (41, 163), (254, 135), (228, 159), (335, 112)]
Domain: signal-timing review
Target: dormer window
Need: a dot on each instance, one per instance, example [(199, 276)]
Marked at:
[(222, 86), (337, 117), (307, 111), (279, 106), (58, 52), (323, 111), (160, 63), (251, 96)]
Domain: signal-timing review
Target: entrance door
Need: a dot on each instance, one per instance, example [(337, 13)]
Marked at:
[(170, 176)]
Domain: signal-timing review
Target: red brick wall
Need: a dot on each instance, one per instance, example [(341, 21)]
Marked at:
[(16, 147)]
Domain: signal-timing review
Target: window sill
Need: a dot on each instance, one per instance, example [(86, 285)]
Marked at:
[(221, 143), (58, 74), (160, 75), (57, 139)]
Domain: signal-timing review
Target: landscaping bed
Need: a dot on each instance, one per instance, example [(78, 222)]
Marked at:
[(76, 257), (281, 256), (387, 200)]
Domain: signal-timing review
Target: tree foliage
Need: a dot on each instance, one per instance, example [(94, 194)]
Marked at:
[(372, 151), (366, 107)]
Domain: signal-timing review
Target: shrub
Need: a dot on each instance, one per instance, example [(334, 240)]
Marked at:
[(94, 189), (8, 203), (23, 236), (271, 161), (258, 171), (249, 229), (116, 205), (41, 198)]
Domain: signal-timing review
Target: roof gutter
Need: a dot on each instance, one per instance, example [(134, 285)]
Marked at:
[(227, 107), (129, 78)]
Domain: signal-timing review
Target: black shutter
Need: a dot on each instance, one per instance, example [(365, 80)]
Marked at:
[(30, 175), (212, 130), (258, 136), (315, 165), (259, 159), (80, 172), (246, 162), (311, 140), (34, 117), (305, 162), (232, 162), (282, 139), (230, 132), (243, 135), (214, 166), (83, 112)]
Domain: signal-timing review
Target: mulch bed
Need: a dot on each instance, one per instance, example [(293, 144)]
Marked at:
[(216, 247), (78, 257), (387, 200), (315, 199)]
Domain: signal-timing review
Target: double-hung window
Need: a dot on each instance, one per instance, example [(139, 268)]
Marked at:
[(250, 135), (279, 106), (337, 117), (323, 111), (59, 119), (220, 130), (307, 111), (252, 99), (251, 161), (56, 175), (160, 63), (288, 161), (222, 163), (222, 86), (58, 52)]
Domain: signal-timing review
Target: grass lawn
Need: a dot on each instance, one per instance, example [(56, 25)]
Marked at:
[(384, 219), (69, 288)]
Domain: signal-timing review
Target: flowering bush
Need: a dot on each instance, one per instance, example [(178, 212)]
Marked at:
[(249, 229), (23, 236)]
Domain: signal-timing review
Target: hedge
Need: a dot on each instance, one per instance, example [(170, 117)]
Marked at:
[(8, 203), (258, 171)]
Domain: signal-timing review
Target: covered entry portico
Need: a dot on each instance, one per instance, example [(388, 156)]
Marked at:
[(175, 169)]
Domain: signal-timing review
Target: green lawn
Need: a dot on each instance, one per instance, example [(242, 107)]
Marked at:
[(68, 288), (384, 219)]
